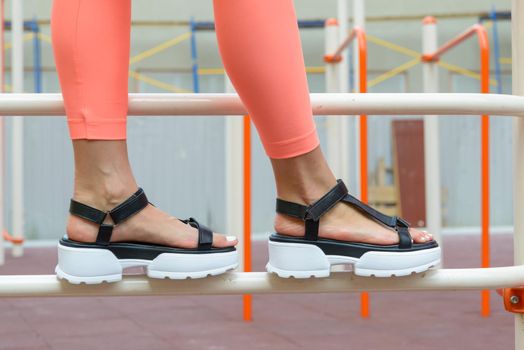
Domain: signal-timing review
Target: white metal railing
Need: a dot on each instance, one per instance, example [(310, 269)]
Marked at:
[(322, 104), (264, 283), (517, 53)]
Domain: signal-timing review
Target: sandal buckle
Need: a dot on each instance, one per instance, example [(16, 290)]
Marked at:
[(306, 214)]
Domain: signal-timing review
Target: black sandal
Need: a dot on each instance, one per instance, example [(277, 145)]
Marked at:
[(94, 263), (311, 256)]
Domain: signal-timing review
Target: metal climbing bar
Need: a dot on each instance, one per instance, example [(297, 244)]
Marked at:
[(264, 283), (482, 36), (476, 29), (517, 53), (167, 104), (357, 33)]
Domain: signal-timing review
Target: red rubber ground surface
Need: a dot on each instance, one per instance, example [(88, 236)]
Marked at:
[(421, 321)]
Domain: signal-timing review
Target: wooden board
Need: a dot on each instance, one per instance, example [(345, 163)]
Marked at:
[(408, 155)]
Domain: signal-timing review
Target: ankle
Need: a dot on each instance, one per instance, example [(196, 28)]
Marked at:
[(303, 179), (307, 189), (105, 194), (103, 175)]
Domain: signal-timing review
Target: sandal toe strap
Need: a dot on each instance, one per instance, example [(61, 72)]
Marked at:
[(400, 225), (404, 237), (205, 235)]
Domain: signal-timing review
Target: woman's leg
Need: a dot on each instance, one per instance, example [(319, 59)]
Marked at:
[(259, 43), (91, 40)]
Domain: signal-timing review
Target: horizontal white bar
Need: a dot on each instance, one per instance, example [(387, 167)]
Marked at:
[(323, 104), (263, 283)]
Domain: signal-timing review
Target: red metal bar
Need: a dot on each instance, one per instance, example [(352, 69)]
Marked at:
[(483, 42), (247, 211)]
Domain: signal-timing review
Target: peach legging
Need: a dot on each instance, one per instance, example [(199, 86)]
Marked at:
[(260, 47)]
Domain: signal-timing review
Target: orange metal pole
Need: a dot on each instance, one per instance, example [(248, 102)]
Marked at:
[(485, 214), (247, 300), (362, 53), (482, 36)]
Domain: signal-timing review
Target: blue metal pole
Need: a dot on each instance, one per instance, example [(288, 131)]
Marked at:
[(194, 56), (316, 23), (496, 49)]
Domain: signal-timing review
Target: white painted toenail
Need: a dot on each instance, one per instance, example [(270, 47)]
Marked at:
[(231, 238)]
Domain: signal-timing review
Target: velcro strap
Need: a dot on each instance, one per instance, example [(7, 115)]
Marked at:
[(291, 209), (205, 238), (390, 221), (317, 209), (404, 238), (129, 207), (321, 206), (86, 212), (311, 233)]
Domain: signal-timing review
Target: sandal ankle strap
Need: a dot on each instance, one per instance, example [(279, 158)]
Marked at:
[(318, 208), (131, 206)]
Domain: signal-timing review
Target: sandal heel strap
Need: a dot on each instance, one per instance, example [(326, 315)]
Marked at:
[(105, 232), (86, 212)]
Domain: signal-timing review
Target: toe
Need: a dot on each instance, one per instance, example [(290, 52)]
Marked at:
[(223, 241), (420, 236)]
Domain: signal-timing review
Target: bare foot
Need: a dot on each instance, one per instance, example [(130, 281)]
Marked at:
[(151, 225), (345, 223)]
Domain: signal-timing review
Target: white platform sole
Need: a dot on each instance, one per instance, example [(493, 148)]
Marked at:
[(94, 266), (307, 260)]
